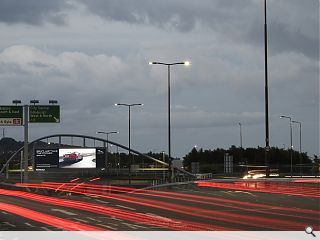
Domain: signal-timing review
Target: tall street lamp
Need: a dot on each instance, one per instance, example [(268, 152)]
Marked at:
[(300, 146), (129, 129), (240, 125), (26, 136), (186, 63), (266, 90), (107, 133), (290, 141)]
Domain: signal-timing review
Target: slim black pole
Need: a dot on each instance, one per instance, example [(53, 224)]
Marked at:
[(300, 152), (291, 150), (129, 109), (26, 142), (266, 89), (240, 135), (169, 127)]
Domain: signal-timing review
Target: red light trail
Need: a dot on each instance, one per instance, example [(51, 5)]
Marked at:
[(269, 187), (171, 224), (256, 221), (252, 207), (48, 219)]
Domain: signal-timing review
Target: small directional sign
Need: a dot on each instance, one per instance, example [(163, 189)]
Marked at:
[(44, 113), (11, 115)]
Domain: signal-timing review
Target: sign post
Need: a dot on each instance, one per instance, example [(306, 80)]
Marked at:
[(26, 142)]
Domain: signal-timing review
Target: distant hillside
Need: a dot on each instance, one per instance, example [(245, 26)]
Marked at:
[(9, 145)]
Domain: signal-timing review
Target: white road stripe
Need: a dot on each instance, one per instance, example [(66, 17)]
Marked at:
[(93, 219), (5, 213), (101, 201), (117, 219), (160, 217), (249, 193), (132, 226), (129, 208), (29, 224), (64, 212), (80, 220), (9, 224), (106, 226), (46, 229)]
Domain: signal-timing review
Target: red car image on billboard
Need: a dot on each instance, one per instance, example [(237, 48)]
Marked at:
[(72, 157), (77, 158)]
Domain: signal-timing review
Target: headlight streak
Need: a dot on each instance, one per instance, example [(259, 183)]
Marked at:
[(274, 188), (227, 217)]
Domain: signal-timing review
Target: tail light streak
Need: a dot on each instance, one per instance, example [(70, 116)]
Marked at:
[(239, 219), (173, 224)]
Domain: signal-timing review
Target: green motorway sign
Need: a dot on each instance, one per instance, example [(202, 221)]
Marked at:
[(11, 115), (44, 113)]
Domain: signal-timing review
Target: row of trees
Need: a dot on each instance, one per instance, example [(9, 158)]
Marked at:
[(209, 160), (249, 158)]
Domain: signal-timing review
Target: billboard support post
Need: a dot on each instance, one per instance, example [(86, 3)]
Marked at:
[(106, 157), (7, 171), (26, 140)]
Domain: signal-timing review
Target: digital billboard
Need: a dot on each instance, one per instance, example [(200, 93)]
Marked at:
[(73, 158), (46, 158)]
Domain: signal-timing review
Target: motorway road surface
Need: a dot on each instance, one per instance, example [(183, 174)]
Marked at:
[(94, 207)]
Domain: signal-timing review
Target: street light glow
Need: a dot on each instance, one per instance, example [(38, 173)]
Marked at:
[(186, 63)]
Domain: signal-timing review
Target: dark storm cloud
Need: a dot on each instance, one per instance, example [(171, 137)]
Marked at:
[(238, 20), (293, 24), (163, 13), (181, 15), (33, 12)]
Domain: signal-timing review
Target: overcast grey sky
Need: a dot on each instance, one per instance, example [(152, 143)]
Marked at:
[(91, 54)]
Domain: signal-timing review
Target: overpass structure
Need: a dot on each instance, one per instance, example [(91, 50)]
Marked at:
[(108, 172)]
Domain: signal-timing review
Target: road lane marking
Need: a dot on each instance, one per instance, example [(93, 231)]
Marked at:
[(5, 213), (46, 229), (132, 226), (249, 193), (116, 219), (114, 224), (63, 211), (139, 226), (29, 224), (160, 217), (80, 220), (107, 226), (9, 224), (129, 208), (93, 219), (101, 201)]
